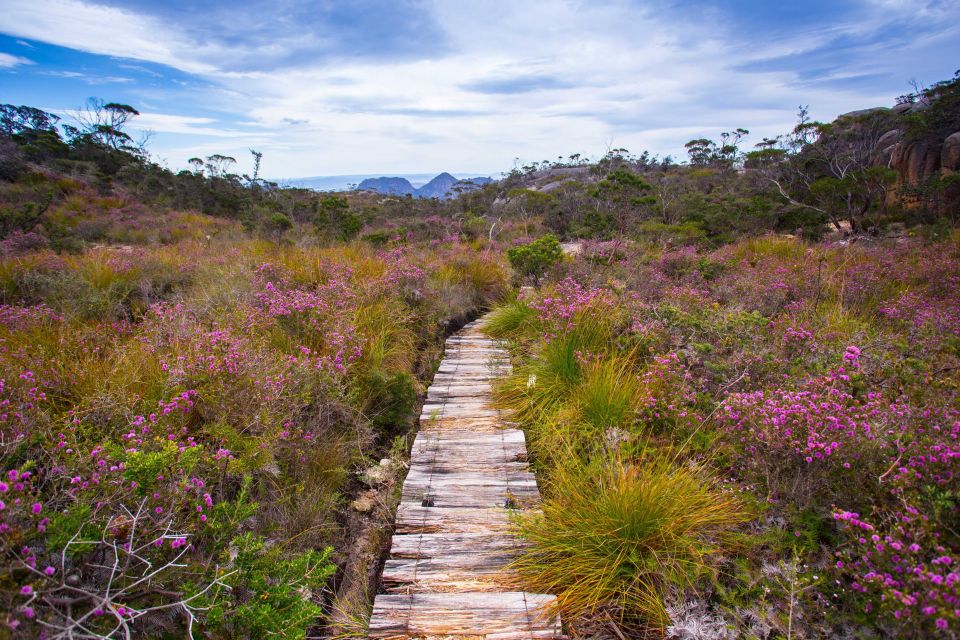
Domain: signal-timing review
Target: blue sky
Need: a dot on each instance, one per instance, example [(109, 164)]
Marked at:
[(374, 86)]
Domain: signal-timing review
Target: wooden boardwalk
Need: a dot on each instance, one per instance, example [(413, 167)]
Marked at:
[(446, 575)]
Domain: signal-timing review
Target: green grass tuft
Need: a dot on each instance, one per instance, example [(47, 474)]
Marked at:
[(622, 535), (513, 321)]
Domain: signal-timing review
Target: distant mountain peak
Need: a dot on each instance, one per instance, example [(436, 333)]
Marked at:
[(442, 186), (388, 186), (439, 187)]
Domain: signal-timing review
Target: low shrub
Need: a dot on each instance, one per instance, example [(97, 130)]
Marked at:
[(535, 258)]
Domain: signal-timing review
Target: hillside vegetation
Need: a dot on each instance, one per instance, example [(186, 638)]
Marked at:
[(758, 441), (738, 379)]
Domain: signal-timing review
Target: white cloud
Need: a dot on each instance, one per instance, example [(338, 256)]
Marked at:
[(8, 61), (534, 80), (88, 78), (188, 125), (623, 77), (104, 30)]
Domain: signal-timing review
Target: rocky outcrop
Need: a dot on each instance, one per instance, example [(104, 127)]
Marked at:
[(918, 154), (950, 153), (887, 146), (555, 173), (859, 113), (916, 162), (553, 178)]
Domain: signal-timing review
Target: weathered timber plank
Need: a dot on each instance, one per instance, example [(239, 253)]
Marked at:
[(415, 518), (452, 391), (442, 575), (449, 454), (451, 439), (468, 367), (432, 545), (437, 425), (460, 614), (478, 410), (445, 562), (460, 406), (422, 475), (485, 376), (483, 498), (462, 389), (468, 466), (467, 436)]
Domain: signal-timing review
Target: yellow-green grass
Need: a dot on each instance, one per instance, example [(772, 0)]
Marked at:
[(515, 320), (621, 535)]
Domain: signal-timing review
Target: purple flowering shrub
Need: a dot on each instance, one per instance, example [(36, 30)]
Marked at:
[(905, 567), (831, 426), (176, 462), (668, 402), (561, 307), (819, 380)]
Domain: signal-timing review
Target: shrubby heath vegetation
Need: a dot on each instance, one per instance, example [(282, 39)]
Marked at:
[(737, 375)]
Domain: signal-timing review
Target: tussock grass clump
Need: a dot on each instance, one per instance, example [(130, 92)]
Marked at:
[(622, 535), (604, 406), (608, 396), (390, 340), (544, 385), (769, 245), (513, 321)]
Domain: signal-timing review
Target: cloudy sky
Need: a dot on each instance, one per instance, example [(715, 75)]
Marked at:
[(372, 86)]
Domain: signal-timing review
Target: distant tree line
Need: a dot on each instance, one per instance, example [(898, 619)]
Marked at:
[(841, 175), (819, 176), (98, 148)]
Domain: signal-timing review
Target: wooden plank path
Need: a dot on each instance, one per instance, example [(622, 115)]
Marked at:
[(446, 576)]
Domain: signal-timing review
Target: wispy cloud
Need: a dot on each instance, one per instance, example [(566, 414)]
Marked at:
[(103, 29), (8, 61), (188, 125), (88, 78), (374, 85)]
